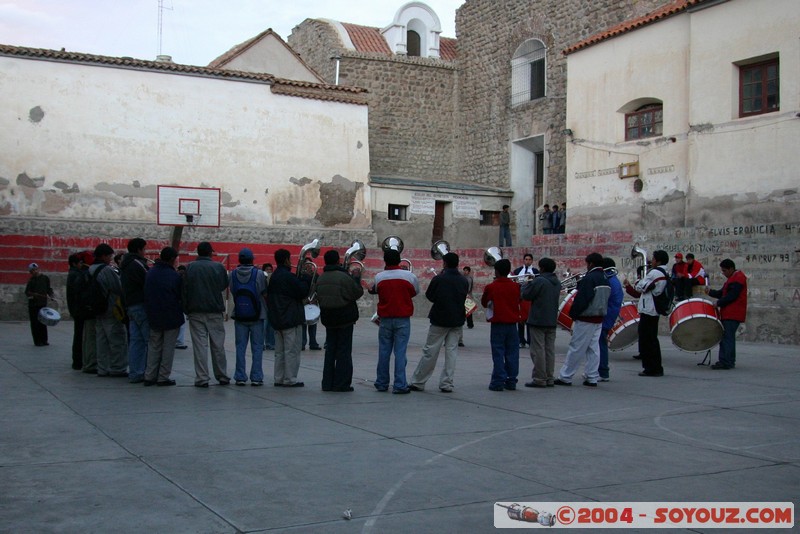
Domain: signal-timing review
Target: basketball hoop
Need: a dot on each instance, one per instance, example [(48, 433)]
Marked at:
[(193, 219)]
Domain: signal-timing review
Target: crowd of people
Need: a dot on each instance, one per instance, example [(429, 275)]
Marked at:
[(128, 317)]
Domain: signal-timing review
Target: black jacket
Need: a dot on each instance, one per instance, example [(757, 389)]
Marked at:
[(285, 295), (591, 301), (448, 291), (162, 293), (132, 272)]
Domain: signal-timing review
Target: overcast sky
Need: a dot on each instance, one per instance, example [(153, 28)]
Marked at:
[(194, 31)]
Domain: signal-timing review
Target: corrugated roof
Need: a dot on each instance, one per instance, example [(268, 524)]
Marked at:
[(319, 91), (666, 11), (369, 40)]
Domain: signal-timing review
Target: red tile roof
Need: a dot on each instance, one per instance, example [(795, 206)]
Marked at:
[(320, 91), (369, 40), (673, 8), (447, 48)]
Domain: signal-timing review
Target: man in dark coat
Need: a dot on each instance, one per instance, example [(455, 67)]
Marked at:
[(544, 293), (285, 295), (132, 271), (447, 291), (337, 293), (37, 290), (162, 300)]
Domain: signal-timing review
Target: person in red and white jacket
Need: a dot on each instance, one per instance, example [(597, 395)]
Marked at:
[(732, 304), (395, 288), (502, 297), (695, 273)]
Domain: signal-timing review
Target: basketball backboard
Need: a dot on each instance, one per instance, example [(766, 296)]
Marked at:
[(188, 206)]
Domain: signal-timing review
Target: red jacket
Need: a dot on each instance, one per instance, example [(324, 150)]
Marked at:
[(395, 288), (504, 294), (732, 298), (695, 270)]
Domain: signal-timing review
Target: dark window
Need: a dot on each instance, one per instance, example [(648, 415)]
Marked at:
[(398, 212), (759, 90), (647, 121), (412, 43), (528, 72), (490, 218)]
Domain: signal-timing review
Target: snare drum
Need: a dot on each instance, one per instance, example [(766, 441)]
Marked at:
[(312, 313), (49, 316), (625, 331), (564, 320), (695, 326), (470, 306)]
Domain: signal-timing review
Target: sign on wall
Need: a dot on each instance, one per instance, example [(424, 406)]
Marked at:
[(464, 207)]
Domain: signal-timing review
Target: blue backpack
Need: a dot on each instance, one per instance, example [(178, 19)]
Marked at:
[(246, 300)]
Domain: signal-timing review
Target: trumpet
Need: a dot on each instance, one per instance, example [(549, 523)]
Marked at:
[(522, 278), (571, 281), (395, 243), (353, 258)]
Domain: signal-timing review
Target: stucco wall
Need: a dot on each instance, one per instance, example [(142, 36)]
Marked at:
[(93, 142), (272, 56), (709, 167)]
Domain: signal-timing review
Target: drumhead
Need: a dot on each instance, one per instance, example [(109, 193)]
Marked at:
[(49, 316), (312, 313)]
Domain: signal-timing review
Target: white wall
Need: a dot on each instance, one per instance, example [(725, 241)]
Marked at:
[(118, 133), (709, 167), (272, 56)]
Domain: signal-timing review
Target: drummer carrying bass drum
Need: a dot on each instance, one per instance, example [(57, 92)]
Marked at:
[(732, 304), (652, 284)]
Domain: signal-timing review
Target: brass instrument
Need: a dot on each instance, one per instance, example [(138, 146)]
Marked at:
[(522, 278), (637, 251), (439, 249), (312, 311), (571, 281), (354, 256), (395, 243), (492, 256)]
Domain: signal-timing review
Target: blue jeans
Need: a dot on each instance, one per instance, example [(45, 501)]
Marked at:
[(393, 334), (269, 335), (727, 347), (252, 332), (139, 330), (603, 369), (505, 236), (504, 340)]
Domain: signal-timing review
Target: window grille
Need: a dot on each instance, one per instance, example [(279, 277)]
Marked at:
[(528, 72)]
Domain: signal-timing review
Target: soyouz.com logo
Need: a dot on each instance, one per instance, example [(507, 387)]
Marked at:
[(643, 514)]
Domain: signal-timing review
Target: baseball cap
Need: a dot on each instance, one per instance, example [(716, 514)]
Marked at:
[(245, 254), (33, 266), (679, 256)]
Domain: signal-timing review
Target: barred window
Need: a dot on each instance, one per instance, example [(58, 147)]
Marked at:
[(528, 72)]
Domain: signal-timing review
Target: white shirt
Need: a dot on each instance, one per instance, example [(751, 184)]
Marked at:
[(646, 304)]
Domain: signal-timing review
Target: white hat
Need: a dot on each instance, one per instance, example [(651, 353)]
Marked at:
[(32, 266)]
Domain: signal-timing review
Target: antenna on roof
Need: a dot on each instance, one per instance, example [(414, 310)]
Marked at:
[(161, 9)]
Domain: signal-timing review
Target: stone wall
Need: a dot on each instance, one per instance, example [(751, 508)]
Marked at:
[(488, 33), (412, 103)]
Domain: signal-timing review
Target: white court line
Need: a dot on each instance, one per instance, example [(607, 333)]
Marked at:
[(389, 495)]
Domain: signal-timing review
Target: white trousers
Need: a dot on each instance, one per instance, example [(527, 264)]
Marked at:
[(583, 347)]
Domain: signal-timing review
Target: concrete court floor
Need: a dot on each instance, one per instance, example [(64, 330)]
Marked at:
[(80, 453)]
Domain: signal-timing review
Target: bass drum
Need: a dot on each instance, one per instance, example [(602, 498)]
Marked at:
[(312, 313), (49, 316), (695, 326), (564, 320), (470, 306), (625, 331)]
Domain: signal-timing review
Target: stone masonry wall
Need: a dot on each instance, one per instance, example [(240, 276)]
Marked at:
[(412, 103), (488, 33)]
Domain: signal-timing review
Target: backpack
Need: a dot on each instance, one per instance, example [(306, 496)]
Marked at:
[(664, 301), (246, 302), (91, 298)]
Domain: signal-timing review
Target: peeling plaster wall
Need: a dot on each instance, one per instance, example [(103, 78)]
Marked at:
[(91, 142), (709, 167)]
